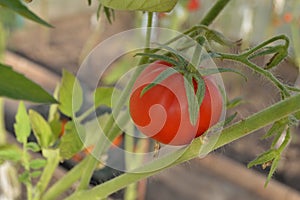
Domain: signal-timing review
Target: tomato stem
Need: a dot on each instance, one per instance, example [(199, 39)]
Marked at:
[(214, 12), (102, 145), (265, 73)]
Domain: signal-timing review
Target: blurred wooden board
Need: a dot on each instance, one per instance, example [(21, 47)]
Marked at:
[(216, 177)]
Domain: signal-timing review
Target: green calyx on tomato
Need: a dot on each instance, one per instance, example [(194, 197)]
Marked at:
[(173, 105)]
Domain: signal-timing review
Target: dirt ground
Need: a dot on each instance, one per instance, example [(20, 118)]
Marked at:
[(62, 47)]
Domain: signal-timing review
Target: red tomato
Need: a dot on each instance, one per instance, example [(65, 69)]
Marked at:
[(162, 112), (288, 17), (193, 5)]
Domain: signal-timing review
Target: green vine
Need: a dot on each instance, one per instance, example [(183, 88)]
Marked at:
[(229, 134)]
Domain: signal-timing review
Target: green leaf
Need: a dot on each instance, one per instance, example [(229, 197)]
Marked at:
[(193, 104), (70, 94), (54, 116), (99, 11), (162, 76), (265, 51), (121, 67), (213, 35), (37, 163), (277, 135), (230, 119), (89, 2), (274, 166), (25, 177), (292, 121), (18, 7), (22, 125), (56, 127), (35, 174), (200, 88), (70, 142), (277, 58), (273, 130), (102, 96), (10, 152), (276, 131), (93, 129), (159, 57), (264, 158), (109, 13), (143, 5), (53, 110), (176, 53), (293, 89), (41, 129), (234, 102), (32, 146), (17, 86)]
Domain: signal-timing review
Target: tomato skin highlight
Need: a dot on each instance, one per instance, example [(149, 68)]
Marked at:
[(162, 112)]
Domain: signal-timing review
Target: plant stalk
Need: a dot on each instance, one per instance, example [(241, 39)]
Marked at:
[(2, 126), (214, 12), (52, 163), (100, 146), (65, 182), (267, 74)]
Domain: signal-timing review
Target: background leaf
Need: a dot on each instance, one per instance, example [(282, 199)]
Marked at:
[(37, 163), (41, 129), (16, 86), (35, 174), (32, 146), (234, 102), (18, 7), (143, 5), (70, 141), (25, 177), (70, 89), (102, 96), (264, 158), (22, 125), (10, 152)]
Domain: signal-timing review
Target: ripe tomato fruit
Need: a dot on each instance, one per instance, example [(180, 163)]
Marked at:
[(162, 112)]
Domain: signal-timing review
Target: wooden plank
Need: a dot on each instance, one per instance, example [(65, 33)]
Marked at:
[(247, 178)]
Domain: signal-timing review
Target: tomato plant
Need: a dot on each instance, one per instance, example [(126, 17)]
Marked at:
[(181, 106), (162, 112)]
